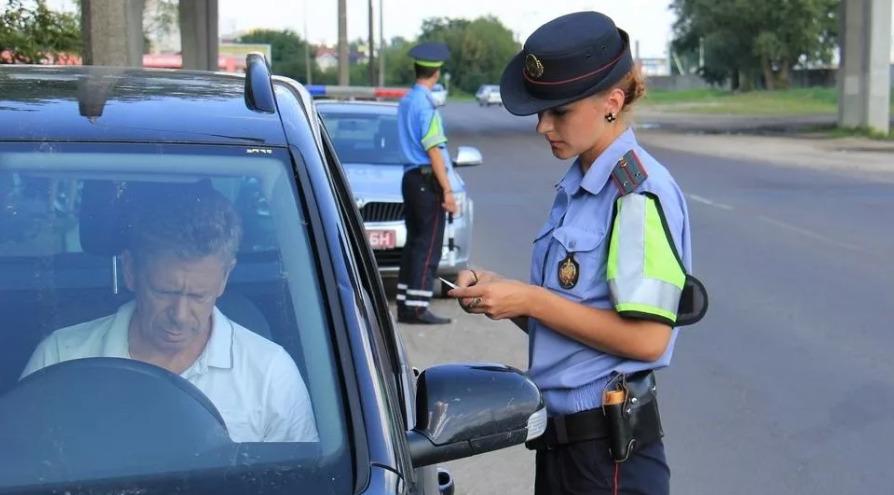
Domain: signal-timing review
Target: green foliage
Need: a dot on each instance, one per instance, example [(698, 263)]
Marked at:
[(287, 52), (751, 40), (33, 34), (159, 21), (479, 49)]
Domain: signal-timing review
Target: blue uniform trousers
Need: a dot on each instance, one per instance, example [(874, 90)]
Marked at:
[(425, 219)]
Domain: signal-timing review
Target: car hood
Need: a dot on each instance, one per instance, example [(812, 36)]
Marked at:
[(377, 182), (381, 182)]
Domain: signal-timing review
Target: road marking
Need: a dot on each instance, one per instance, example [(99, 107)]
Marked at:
[(706, 201), (811, 234)]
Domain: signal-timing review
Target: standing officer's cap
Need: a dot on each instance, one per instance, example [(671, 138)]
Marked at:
[(430, 54), (564, 60)]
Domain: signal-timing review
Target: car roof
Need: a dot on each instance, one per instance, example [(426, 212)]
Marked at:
[(92, 103), (357, 107)]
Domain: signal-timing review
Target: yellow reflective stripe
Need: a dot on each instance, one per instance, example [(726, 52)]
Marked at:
[(435, 134), (642, 271), (428, 63), (660, 261), (645, 308)]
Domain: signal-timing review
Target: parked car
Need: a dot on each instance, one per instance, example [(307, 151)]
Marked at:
[(79, 146), (488, 94), (366, 141), (439, 93)]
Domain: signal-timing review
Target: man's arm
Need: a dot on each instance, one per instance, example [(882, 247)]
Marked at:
[(440, 170), (47, 353), (290, 416)]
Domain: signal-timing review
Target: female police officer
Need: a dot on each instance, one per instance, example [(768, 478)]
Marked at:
[(608, 270)]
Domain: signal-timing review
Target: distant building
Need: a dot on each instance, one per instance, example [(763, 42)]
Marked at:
[(327, 58), (654, 66)]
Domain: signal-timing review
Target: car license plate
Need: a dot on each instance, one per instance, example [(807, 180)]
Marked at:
[(382, 239)]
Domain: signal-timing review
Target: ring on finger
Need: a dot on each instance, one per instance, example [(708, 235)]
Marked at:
[(475, 302)]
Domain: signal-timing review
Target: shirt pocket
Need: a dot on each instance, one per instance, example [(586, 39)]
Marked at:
[(576, 265)]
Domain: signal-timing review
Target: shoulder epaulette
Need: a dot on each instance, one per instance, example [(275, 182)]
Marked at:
[(629, 173)]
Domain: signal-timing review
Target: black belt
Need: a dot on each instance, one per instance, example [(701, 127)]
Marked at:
[(424, 170), (571, 428)]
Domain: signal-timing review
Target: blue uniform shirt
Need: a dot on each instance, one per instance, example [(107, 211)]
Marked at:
[(420, 128), (572, 375)]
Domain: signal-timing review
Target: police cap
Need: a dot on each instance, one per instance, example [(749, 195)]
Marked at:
[(566, 59), (430, 54)]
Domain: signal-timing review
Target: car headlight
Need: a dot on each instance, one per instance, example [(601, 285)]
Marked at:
[(460, 198)]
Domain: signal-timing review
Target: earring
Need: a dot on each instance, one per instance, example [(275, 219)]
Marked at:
[(610, 117)]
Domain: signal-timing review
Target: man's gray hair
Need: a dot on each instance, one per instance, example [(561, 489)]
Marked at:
[(189, 222)]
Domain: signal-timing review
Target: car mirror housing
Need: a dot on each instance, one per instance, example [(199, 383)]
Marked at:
[(468, 409), (467, 156)]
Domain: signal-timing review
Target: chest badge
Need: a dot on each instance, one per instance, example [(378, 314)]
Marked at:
[(569, 271)]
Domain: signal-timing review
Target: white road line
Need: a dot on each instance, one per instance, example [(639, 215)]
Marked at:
[(706, 201), (811, 234)]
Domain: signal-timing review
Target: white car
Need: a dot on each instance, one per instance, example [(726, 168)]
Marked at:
[(365, 137), (489, 94), (440, 94)]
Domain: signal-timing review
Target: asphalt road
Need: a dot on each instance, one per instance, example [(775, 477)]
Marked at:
[(787, 386)]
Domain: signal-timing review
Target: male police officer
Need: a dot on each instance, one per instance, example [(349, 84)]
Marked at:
[(426, 188)]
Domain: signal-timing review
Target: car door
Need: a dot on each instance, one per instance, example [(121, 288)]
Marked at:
[(398, 374)]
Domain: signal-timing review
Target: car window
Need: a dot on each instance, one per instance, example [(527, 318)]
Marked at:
[(364, 137), (160, 312)]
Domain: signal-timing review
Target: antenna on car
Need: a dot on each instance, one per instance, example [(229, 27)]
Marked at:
[(258, 85)]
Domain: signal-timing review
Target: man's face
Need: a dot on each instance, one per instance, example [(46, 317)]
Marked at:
[(175, 297)]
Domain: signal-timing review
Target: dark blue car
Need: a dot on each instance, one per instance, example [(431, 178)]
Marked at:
[(79, 148)]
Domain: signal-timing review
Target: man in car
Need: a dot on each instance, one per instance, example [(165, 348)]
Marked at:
[(181, 250)]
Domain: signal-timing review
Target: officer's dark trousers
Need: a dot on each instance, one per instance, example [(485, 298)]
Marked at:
[(587, 468), (425, 218)]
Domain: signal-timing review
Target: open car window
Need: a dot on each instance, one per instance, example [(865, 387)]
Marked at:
[(80, 410)]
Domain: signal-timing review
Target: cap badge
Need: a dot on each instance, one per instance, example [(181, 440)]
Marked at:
[(533, 66)]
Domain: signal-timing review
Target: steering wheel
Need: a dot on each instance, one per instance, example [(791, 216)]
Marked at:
[(106, 417)]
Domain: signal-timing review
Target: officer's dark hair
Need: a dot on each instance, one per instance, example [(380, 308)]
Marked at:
[(423, 72)]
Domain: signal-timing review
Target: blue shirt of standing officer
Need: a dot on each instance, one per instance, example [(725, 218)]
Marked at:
[(425, 187)]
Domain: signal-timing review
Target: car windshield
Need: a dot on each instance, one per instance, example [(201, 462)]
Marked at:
[(369, 138), (162, 324)]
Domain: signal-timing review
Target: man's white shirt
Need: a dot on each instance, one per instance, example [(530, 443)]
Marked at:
[(252, 381)]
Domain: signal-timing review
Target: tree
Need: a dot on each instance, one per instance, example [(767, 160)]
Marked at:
[(34, 34), (479, 49), (748, 40), (287, 51)]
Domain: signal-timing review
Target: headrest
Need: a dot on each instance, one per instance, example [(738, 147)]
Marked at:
[(106, 206)]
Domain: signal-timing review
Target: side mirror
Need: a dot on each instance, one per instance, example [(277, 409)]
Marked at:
[(467, 409), (467, 156)]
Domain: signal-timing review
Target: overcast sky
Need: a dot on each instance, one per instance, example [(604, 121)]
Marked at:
[(648, 21)]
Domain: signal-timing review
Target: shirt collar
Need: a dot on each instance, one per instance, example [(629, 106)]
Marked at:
[(426, 91), (599, 172), (218, 350), (115, 344)]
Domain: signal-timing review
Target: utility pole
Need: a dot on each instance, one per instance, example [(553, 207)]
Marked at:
[(307, 64), (864, 85), (381, 43), (370, 64), (343, 74)]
